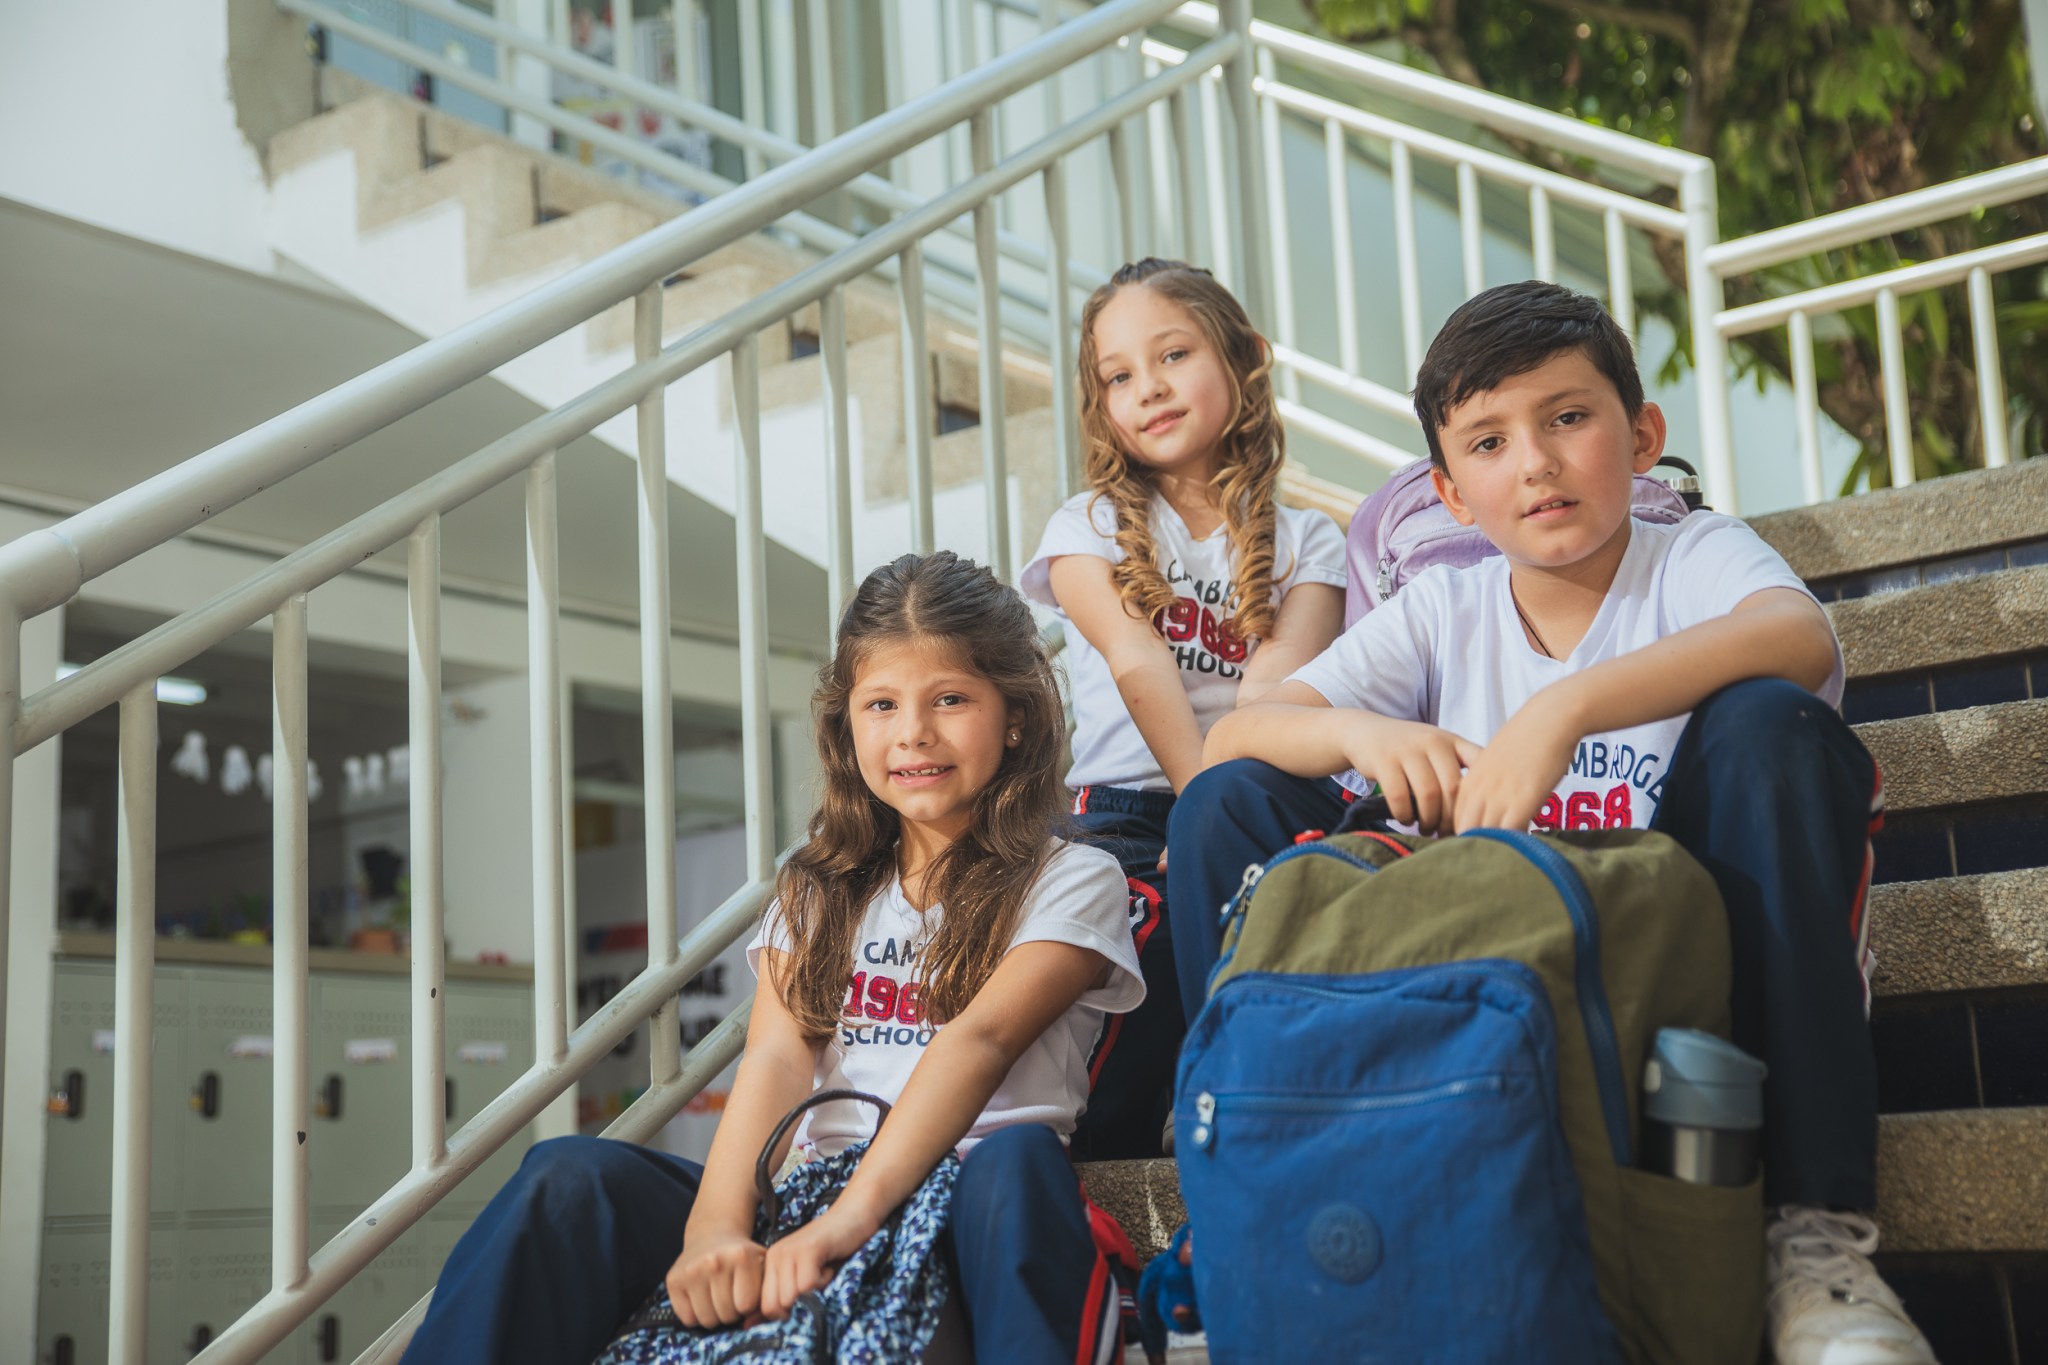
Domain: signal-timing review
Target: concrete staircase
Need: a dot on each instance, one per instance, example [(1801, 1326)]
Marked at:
[(1940, 595), (435, 221)]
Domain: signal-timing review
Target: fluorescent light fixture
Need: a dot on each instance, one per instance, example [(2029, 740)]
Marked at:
[(171, 691)]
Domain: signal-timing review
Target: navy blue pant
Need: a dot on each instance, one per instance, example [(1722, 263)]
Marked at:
[(1777, 798), (587, 1229), (1130, 1072)]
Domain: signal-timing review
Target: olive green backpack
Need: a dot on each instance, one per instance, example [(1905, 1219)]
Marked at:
[(1679, 1266)]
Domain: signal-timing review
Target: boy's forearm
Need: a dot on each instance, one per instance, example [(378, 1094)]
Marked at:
[(1308, 741), (1677, 673)]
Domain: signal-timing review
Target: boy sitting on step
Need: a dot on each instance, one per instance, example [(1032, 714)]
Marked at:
[(1607, 672)]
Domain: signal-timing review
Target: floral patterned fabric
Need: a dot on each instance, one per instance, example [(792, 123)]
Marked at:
[(880, 1308)]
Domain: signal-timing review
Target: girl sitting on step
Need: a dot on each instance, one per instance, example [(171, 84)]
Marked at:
[(932, 945), (1187, 588)]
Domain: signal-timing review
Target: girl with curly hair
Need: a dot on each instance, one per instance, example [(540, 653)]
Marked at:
[(1186, 589)]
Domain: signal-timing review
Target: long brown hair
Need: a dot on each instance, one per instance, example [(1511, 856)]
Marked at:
[(1247, 476), (824, 888)]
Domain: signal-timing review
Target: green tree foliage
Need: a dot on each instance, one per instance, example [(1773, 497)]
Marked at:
[(1805, 106)]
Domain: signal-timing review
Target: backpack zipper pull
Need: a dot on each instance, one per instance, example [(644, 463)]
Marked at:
[(1205, 1120), (1252, 873)]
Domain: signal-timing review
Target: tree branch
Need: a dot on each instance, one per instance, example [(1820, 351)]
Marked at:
[(1660, 22), (1449, 44), (1713, 70)]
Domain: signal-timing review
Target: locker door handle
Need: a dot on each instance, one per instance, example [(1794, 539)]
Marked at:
[(68, 1100), (63, 1351), (201, 1336), (329, 1338), (448, 1105), (206, 1096), (327, 1104)]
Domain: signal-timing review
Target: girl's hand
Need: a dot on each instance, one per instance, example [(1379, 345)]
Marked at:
[(806, 1259), (717, 1281), (1506, 785), (1416, 765)]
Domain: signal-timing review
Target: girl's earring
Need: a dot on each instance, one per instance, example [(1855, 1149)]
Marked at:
[(1015, 737)]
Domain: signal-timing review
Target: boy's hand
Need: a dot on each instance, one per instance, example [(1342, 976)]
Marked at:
[(717, 1281), (806, 1259), (1416, 765), (1507, 784)]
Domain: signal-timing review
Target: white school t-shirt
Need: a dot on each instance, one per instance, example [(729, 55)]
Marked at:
[(1080, 897), (1108, 750), (1448, 649)]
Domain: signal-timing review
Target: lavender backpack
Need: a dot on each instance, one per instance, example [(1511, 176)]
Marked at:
[(1404, 528)]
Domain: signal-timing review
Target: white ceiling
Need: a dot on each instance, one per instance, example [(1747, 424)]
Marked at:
[(119, 358)]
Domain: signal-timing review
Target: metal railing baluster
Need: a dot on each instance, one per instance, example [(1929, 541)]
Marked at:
[(657, 703), (1898, 419), (134, 1025), (544, 753), (1060, 331), (429, 904), (1471, 231), (1126, 193), (1990, 377), (918, 415), (1275, 194), (995, 462), (1216, 175), (1166, 232), (1698, 201), (753, 75), (1186, 156), (824, 99), (1407, 276), (290, 980), (1806, 407), (1337, 163), (756, 756), (1542, 234), (838, 456), (1621, 291), (1252, 277)]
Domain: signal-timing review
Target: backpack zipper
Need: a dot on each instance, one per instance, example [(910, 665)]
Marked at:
[(1208, 1105), (1591, 989), (1257, 871)]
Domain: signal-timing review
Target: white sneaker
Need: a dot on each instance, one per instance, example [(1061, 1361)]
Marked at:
[(1827, 1305)]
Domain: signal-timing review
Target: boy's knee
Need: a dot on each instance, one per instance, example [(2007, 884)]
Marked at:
[(1215, 792), (1757, 706)]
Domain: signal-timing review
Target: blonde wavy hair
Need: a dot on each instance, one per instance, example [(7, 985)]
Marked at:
[(981, 879), (1247, 476)]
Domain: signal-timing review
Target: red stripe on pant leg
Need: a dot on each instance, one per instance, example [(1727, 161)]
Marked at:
[(1091, 1312), (1859, 923), (1143, 932)]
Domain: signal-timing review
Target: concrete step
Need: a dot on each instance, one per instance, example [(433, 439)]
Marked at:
[(1956, 621), (1961, 933), (1925, 521), (1953, 1181), (1958, 758)]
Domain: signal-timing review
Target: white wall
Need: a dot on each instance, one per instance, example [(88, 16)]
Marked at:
[(118, 113)]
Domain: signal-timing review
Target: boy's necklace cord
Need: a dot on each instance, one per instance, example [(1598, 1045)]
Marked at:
[(1527, 624)]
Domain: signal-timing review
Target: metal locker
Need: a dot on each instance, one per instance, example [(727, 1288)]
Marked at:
[(78, 1175), (223, 1269), (361, 1137), (226, 1081), (72, 1307), (489, 1032)]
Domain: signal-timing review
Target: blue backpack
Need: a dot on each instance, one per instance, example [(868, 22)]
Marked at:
[(1404, 1120)]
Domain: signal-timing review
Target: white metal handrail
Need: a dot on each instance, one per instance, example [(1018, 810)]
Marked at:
[(1691, 223), (1796, 311), (49, 567)]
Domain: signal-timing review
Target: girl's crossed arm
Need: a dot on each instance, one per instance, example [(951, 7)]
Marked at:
[(717, 1279), (1139, 659), (952, 1083)]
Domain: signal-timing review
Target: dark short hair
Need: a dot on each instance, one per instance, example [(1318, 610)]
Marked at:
[(1510, 330)]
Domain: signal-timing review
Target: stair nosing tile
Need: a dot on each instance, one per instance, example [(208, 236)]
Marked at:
[(1956, 934), (1961, 758), (1963, 1180), (1974, 510), (1941, 625)]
